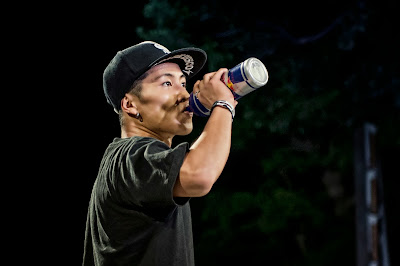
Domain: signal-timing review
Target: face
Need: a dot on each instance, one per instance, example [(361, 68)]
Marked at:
[(163, 101)]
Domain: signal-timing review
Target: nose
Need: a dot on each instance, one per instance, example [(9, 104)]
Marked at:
[(182, 95)]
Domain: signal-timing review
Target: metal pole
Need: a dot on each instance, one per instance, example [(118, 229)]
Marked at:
[(371, 240)]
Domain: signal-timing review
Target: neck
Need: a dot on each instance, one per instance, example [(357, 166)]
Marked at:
[(134, 130)]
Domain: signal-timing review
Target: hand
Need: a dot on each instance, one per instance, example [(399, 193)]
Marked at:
[(211, 89)]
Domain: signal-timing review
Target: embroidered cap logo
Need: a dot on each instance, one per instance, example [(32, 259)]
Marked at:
[(189, 62), (162, 48)]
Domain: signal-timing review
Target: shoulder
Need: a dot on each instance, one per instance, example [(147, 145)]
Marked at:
[(145, 146), (137, 142)]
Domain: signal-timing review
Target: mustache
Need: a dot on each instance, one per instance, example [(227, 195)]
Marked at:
[(179, 101)]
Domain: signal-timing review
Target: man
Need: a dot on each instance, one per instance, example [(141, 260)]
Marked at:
[(139, 211)]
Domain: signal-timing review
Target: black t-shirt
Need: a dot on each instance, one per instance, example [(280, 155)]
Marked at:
[(133, 218)]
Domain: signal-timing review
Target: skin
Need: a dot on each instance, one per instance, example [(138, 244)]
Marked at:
[(162, 106)]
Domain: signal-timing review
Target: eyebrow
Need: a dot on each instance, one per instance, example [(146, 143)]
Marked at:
[(166, 75)]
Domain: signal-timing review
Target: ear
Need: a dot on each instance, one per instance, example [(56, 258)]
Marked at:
[(128, 105)]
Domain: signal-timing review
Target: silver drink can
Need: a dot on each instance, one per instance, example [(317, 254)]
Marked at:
[(242, 79), (246, 77)]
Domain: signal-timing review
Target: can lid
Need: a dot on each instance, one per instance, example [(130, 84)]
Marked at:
[(257, 72)]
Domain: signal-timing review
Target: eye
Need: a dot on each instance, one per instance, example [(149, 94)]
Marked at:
[(167, 83), (183, 84)]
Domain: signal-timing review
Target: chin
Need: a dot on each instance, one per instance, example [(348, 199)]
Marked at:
[(186, 130)]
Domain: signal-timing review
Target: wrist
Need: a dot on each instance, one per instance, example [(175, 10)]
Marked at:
[(226, 105)]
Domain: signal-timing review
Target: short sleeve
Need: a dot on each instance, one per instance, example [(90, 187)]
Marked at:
[(148, 175)]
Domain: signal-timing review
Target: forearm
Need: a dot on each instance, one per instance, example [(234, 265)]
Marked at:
[(208, 154), (211, 150)]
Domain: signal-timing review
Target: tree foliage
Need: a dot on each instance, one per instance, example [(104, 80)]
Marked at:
[(292, 139)]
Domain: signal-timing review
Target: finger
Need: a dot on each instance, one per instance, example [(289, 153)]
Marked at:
[(208, 76), (196, 86), (200, 85), (219, 73)]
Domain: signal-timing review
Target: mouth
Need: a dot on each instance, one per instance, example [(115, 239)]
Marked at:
[(185, 107), (187, 110)]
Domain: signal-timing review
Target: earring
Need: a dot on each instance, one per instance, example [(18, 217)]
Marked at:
[(138, 116)]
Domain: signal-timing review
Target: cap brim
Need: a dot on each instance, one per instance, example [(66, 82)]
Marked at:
[(191, 60)]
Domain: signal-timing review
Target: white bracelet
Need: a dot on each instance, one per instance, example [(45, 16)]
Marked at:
[(225, 105)]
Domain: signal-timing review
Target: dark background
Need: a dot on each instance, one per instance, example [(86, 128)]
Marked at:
[(286, 196)]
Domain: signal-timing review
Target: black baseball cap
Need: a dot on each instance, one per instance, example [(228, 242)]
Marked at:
[(130, 63)]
